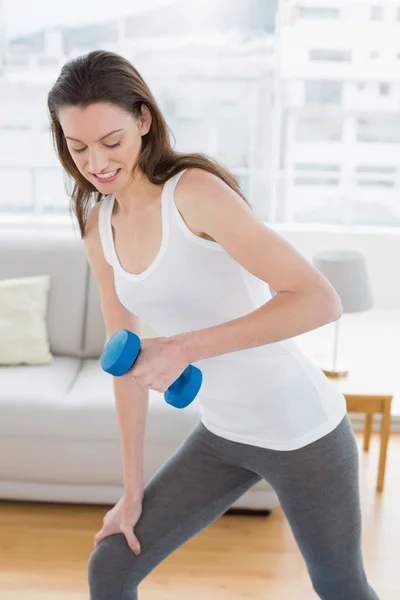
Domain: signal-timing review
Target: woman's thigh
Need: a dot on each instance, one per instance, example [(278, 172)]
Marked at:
[(318, 489), (192, 489)]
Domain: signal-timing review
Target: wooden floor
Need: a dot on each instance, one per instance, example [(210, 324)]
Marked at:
[(44, 549)]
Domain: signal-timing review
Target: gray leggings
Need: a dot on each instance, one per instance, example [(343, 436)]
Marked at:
[(317, 486)]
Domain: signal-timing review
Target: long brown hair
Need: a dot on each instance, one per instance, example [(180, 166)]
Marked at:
[(103, 76)]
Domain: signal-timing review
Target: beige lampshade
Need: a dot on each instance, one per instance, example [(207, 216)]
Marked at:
[(347, 272)]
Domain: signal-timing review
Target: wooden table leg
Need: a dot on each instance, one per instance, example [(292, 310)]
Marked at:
[(367, 431), (385, 432)]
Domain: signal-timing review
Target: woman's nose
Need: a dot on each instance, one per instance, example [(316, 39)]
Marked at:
[(97, 161)]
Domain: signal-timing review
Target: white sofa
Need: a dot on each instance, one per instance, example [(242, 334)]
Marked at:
[(59, 436)]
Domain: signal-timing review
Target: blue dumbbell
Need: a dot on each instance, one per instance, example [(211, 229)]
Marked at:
[(122, 350)]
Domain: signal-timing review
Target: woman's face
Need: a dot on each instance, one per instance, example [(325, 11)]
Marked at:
[(104, 140)]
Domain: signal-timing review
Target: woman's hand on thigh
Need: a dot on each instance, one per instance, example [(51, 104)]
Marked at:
[(122, 518)]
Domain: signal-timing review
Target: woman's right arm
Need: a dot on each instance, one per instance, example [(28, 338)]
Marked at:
[(131, 399)]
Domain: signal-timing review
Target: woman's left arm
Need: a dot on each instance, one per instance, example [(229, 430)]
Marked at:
[(304, 299)]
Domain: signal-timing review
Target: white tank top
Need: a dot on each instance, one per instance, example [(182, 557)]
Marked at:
[(272, 396)]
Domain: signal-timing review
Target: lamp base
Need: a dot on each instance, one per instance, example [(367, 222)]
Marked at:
[(340, 370)]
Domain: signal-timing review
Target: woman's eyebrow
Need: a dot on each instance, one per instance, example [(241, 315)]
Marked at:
[(102, 138)]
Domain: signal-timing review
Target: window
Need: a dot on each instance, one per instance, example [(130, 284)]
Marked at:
[(371, 174), (376, 13), (315, 12), (330, 55), (376, 183), (14, 127), (340, 145), (220, 111), (375, 169), (305, 142), (316, 167), (384, 89), (379, 130), (323, 92), (309, 129), (316, 181), (318, 174)]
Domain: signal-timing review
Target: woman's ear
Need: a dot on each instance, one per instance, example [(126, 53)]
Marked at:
[(145, 119)]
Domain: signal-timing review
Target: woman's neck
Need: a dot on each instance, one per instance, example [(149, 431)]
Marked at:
[(138, 195)]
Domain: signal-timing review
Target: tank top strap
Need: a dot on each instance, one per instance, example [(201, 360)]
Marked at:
[(171, 185), (105, 230), (105, 211), (170, 208)]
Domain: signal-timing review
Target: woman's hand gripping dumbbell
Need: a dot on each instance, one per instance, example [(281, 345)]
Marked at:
[(122, 351)]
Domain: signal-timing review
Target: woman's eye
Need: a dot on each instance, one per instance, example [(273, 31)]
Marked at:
[(82, 149), (113, 145)]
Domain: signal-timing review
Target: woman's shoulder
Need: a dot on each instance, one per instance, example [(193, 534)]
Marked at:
[(92, 218), (192, 177), (191, 190), (197, 186)]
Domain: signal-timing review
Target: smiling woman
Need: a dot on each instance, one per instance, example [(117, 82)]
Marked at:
[(172, 240)]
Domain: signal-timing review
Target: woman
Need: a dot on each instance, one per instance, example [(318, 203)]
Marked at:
[(172, 240)]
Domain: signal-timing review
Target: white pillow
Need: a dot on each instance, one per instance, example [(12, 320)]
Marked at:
[(23, 329), (145, 331)]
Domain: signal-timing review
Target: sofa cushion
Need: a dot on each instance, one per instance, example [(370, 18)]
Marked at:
[(58, 252), (31, 397)]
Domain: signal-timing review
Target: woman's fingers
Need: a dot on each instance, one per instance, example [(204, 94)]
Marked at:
[(121, 519), (97, 539), (131, 539), (100, 535)]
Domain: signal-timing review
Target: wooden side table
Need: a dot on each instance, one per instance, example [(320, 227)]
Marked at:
[(370, 405), (369, 346), (359, 389)]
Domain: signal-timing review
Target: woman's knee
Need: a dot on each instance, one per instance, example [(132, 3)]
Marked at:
[(111, 569)]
